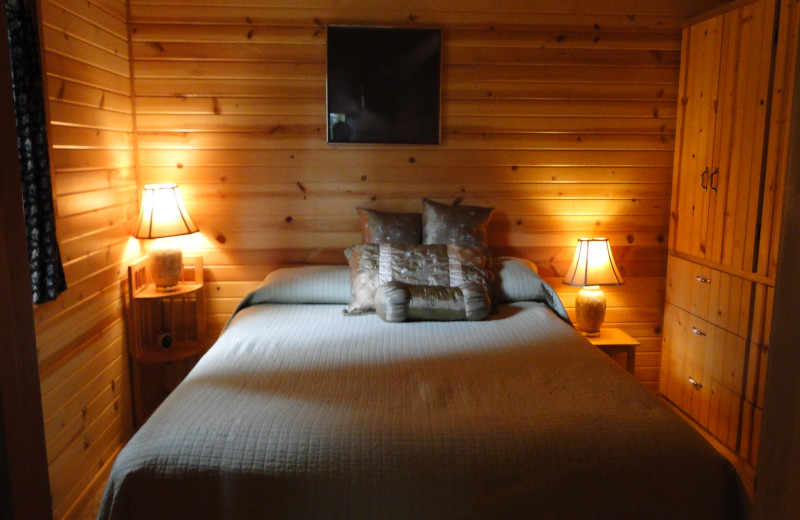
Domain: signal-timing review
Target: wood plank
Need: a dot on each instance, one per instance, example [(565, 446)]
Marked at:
[(541, 36), (89, 117), (399, 155), (379, 173), (59, 42), (67, 68), (247, 50), (110, 20), (311, 136), (777, 152), (69, 422), (259, 15), (85, 457), (548, 6), (57, 16), (75, 93)]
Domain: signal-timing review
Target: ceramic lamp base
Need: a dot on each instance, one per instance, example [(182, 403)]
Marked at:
[(165, 268), (590, 310)]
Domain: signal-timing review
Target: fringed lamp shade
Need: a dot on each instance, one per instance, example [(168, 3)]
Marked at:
[(592, 266), (163, 214)]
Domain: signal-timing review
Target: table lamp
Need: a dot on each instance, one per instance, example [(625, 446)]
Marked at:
[(592, 266), (162, 215)]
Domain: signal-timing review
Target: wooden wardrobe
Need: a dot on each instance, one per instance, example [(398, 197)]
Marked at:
[(730, 155)]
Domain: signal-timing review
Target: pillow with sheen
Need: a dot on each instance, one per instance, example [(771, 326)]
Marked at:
[(455, 224), (398, 301), (449, 265), (387, 227)]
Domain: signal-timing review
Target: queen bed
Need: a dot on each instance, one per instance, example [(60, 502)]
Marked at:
[(301, 411)]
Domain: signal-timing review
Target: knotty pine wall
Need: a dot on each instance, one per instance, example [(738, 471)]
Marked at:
[(559, 114), (80, 337)]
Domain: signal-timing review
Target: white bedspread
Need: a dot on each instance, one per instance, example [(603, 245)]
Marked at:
[(299, 412)]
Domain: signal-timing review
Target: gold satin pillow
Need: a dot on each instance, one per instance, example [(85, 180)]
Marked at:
[(393, 228), (455, 224), (449, 265), (398, 301)]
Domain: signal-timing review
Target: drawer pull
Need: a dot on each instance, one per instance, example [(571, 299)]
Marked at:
[(702, 279), (698, 331), (703, 179), (697, 384)]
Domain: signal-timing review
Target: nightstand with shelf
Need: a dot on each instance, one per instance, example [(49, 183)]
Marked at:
[(166, 332), (613, 341)]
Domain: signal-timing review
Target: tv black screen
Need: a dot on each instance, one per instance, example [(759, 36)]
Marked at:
[(383, 85)]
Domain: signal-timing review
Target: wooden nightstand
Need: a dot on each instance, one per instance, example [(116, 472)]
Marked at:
[(166, 332), (613, 341)]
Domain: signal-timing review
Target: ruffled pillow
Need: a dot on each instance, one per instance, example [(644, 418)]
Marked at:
[(456, 224), (452, 265), (392, 228)]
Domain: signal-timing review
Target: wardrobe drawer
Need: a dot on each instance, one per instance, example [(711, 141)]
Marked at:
[(685, 352), (702, 372), (719, 298)]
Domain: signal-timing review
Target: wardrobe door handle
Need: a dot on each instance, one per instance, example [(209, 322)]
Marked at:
[(698, 331), (712, 184), (698, 385), (702, 279), (703, 179)]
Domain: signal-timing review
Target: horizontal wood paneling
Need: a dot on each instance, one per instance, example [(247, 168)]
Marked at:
[(80, 336), (559, 115), (562, 117)]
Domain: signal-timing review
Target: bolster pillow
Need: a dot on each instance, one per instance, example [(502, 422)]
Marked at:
[(397, 301)]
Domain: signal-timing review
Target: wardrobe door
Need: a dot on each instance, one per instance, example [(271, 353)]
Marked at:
[(740, 133), (722, 132), (702, 45)]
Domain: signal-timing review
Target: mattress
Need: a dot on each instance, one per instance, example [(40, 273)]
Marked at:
[(301, 412)]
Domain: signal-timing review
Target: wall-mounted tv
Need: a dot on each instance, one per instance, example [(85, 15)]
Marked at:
[(383, 85)]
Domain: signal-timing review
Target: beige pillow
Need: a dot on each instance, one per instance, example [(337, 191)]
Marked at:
[(386, 227), (455, 224), (449, 265)]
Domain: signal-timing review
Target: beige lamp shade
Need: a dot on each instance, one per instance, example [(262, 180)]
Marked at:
[(163, 214), (592, 266)]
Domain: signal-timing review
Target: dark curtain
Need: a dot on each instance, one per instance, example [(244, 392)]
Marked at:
[(47, 274)]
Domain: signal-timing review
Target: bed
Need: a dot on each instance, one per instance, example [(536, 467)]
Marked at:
[(300, 411)]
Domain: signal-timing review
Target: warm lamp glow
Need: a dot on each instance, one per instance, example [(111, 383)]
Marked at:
[(592, 266), (163, 214)]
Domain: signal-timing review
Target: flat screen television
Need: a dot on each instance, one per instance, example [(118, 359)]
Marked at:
[(383, 85)]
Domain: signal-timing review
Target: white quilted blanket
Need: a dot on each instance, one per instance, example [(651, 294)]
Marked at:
[(299, 412)]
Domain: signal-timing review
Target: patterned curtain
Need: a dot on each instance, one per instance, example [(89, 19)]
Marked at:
[(47, 274)]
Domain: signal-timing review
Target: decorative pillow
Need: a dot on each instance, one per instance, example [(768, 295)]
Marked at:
[(301, 284), (456, 224), (397, 301), (451, 265), (307, 284), (394, 228), (515, 279)]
